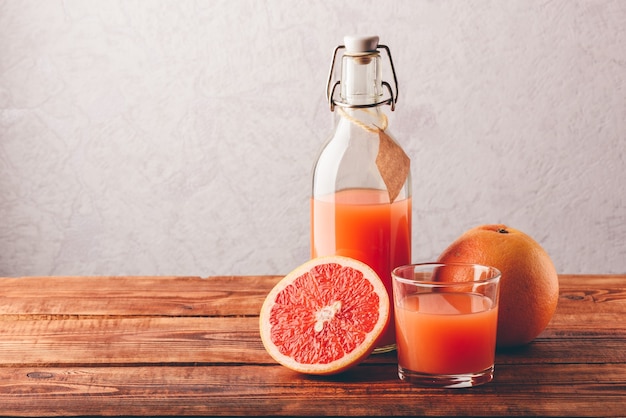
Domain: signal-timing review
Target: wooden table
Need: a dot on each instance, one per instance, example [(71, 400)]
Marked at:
[(191, 346)]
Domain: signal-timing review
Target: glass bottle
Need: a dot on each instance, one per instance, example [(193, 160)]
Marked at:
[(361, 197)]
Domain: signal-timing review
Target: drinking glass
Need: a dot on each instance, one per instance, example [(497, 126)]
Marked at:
[(446, 317)]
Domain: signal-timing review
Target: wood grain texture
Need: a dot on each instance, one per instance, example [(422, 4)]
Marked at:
[(141, 296), (565, 390), (177, 346)]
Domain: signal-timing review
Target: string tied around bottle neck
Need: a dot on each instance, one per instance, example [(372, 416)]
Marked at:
[(368, 127)]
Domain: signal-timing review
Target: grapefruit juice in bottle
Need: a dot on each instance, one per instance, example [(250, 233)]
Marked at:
[(361, 200), (366, 227)]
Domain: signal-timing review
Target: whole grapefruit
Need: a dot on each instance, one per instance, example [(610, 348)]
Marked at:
[(529, 287), (325, 316)]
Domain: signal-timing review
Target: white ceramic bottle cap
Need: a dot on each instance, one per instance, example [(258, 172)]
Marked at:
[(360, 44)]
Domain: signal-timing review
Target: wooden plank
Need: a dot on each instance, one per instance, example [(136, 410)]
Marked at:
[(184, 340), (132, 341), (147, 296), (608, 298), (590, 281), (552, 390), (582, 350), (225, 295)]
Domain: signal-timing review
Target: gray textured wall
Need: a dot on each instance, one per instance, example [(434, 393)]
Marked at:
[(178, 137)]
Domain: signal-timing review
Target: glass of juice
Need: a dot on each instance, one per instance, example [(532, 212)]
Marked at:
[(446, 316)]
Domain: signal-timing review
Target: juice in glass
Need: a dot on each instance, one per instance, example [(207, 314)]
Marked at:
[(446, 323), (446, 333), (362, 224)]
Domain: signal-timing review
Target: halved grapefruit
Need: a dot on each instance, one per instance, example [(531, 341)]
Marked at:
[(325, 316)]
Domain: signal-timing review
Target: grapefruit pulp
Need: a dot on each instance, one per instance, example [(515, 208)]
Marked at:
[(325, 316)]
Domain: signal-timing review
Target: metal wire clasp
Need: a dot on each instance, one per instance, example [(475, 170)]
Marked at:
[(330, 92)]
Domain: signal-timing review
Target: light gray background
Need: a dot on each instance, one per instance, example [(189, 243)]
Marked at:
[(178, 137)]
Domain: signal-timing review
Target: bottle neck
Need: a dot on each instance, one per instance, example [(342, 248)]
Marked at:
[(361, 79), (370, 119)]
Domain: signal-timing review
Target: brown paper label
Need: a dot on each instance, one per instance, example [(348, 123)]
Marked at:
[(393, 165)]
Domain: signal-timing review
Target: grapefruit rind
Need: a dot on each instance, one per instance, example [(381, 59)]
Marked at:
[(304, 326), (529, 288)]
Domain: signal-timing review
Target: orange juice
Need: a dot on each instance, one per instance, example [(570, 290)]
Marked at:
[(446, 333), (362, 224)]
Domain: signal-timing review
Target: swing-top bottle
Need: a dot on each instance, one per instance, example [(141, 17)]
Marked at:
[(361, 197)]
